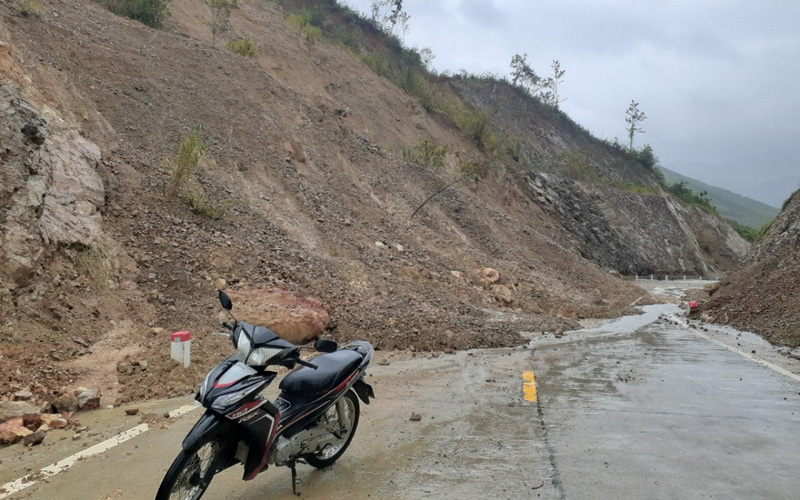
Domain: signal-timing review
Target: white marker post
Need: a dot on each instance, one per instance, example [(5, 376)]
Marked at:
[(180, 347)]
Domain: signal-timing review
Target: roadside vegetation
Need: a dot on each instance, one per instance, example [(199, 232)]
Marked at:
[(153, 13), (244, 47), (689, 197), (747, 232), (27, 8)]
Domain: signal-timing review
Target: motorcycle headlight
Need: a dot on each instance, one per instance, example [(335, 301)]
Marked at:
[(260, 356), (243, 347), (221, 403)]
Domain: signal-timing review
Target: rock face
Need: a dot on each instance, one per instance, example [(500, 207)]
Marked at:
[(637, 233), (294, 317), (764, 296), (612, 210), (51, 191)]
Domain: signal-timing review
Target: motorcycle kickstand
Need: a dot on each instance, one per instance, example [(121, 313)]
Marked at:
[(293, 465)]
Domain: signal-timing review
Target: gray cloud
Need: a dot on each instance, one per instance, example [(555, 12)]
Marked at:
[(716, 78)]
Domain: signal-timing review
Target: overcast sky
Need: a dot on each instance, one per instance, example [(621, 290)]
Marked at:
[(718, 79)]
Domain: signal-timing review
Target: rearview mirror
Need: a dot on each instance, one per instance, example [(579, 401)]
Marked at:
[(326, 345), (225, 301)]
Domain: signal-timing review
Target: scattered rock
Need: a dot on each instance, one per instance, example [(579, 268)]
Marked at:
[(220, 284), (12, 409), (131, 411), (32, 421), (487, 276), (54, 420), (124, 367), (415, 417), (12, 431), (34, 438), (23, 395), (503, 295), (88, 399), (65, 403)]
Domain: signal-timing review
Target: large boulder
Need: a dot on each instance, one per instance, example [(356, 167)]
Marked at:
[(14, 409), (294, 317), (13, 431)]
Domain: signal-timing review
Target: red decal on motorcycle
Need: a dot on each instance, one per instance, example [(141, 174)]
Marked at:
[(218, 385), (244, 409), (299, 417), (344, 384)]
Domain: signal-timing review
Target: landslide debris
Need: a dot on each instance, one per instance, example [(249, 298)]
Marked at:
[(307, 194), (764, 296)]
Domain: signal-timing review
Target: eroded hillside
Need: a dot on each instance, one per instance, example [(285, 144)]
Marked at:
[(306, 198), (764, 296)]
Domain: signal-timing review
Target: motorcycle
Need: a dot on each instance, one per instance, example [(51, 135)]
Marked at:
[(312, 421)]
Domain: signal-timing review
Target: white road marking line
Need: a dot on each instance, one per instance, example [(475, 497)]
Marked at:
[(744, 354), (182, 410), (46, 472)]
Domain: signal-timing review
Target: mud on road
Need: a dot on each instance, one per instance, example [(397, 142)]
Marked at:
[(621, 409)]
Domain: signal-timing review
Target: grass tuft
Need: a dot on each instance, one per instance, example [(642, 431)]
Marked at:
[(244, 47), (191, 150)]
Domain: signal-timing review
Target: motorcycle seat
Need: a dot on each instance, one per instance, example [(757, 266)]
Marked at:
[(333, 369)]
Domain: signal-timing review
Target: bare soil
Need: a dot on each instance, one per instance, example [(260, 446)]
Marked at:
[(298, 158)]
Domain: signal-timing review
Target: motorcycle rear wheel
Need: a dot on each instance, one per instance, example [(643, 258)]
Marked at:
[(191, 472), (332, 453)]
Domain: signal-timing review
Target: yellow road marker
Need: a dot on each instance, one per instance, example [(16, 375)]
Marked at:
[(529, 387)]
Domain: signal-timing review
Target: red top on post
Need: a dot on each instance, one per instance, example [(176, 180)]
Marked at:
[(180, 336), (693, 304)]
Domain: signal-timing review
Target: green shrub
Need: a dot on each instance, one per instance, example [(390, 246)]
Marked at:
[(475, 123), (378, 64), (688, 196), (203, 205), (635, 188), (191, 150), (349, 37), (577, 166), (243, 47), (95, 262), (153, 13), (746, 232), (27, 8), (313, 33), (308, 22), (426, 153)]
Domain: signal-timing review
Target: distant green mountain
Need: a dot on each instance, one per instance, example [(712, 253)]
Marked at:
[(742, 209)]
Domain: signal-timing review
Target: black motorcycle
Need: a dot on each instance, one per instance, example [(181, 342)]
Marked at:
[(312, 421)]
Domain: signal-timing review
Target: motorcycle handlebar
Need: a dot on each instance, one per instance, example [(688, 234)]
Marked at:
[(306, 363)]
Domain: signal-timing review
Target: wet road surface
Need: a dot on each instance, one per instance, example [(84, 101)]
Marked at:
[(661, 412), (639, 408)]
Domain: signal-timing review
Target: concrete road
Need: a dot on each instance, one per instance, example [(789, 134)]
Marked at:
[(638, 408)]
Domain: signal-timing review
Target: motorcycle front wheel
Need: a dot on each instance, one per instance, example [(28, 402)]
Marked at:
[(332, 452), (191, 472)]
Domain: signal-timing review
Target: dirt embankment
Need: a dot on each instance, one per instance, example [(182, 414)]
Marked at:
[(764, 296), (99, 265)]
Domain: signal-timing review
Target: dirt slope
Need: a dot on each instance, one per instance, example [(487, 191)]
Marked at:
[(98, 265), (764, 296)]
